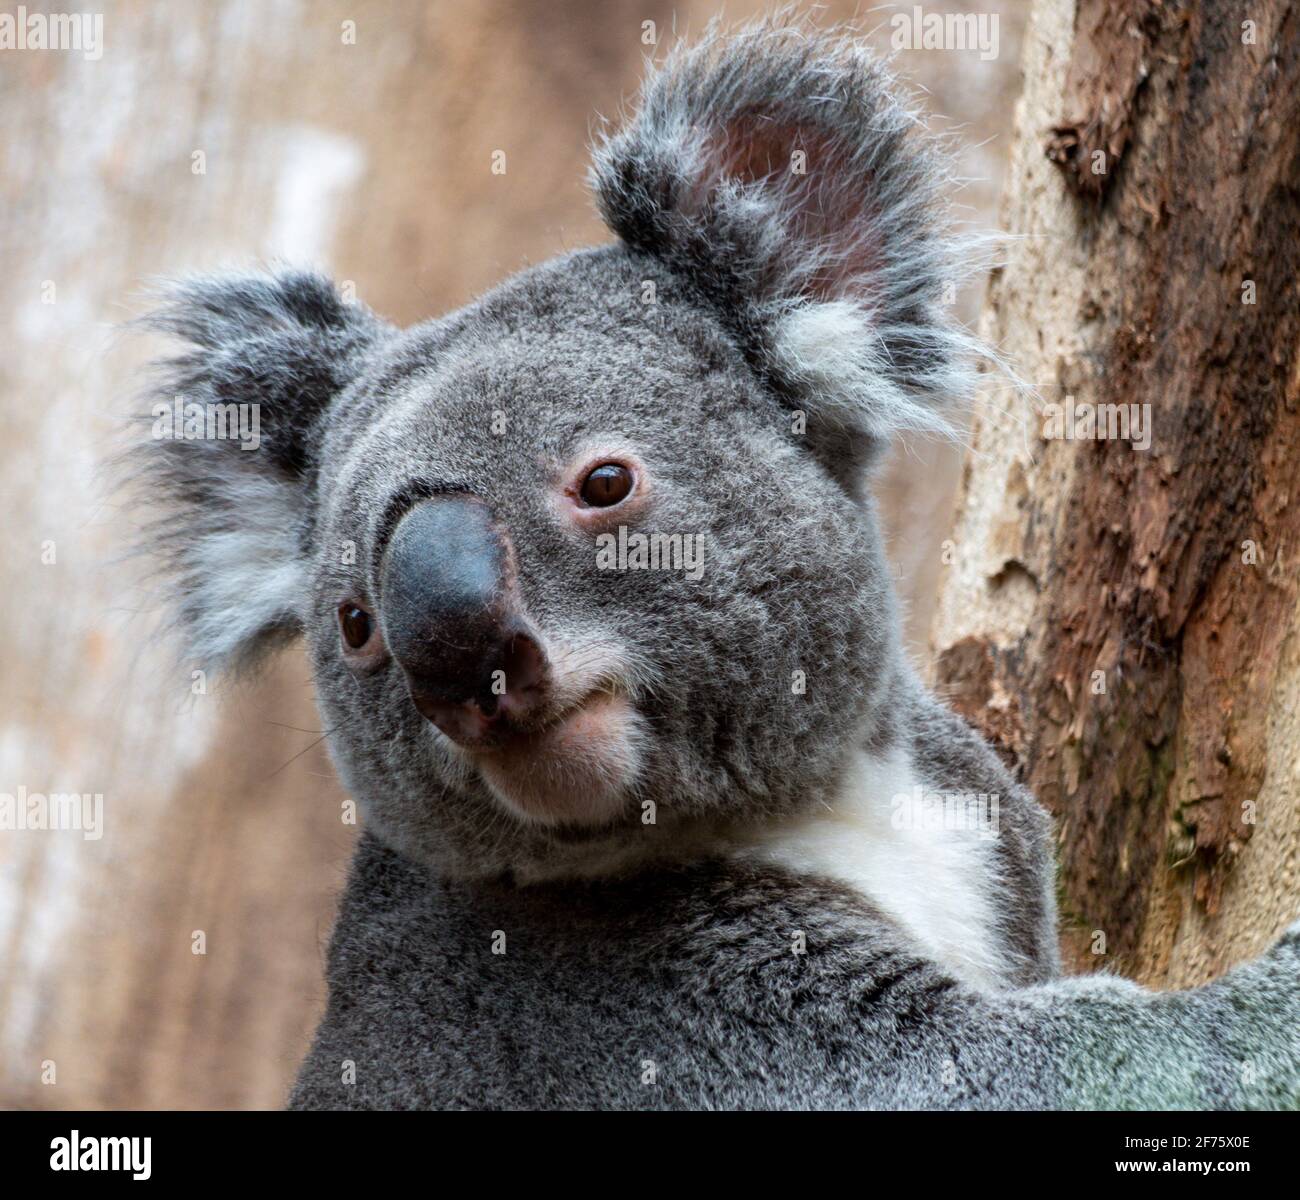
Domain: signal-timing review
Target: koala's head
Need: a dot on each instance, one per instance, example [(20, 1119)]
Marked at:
[(590, 561)]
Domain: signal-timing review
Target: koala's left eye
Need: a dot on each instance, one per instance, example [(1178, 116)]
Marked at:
[(606, 485)]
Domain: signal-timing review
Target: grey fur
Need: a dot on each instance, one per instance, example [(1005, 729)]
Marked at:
[(629, 942), (692, 973)]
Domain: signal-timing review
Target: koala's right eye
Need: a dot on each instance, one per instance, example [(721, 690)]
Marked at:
[(361, 639), (606, 486)]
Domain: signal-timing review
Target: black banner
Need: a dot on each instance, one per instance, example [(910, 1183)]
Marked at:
[(338, 1149)]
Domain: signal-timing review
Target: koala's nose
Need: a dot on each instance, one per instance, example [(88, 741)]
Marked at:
[(452, 621)]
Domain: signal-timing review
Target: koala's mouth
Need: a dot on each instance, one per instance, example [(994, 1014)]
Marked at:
[(577, 768)]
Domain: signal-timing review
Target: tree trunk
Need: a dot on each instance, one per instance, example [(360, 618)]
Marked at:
[(1120, 618)]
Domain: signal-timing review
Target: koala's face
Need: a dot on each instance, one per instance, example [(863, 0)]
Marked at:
[(576, 576), (589, 561)]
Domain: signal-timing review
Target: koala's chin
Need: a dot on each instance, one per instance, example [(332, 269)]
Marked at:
[(579, 771)]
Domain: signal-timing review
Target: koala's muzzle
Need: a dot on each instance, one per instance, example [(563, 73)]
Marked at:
[(452, 621)]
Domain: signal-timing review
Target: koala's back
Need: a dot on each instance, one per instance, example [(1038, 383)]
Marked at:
[(736, 985), (719, 985), (725, 984)]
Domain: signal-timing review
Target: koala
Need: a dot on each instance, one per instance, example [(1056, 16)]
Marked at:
[(603, 635)]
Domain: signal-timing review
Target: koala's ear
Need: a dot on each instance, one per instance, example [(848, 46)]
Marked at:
[(227, 461), (779, 170)]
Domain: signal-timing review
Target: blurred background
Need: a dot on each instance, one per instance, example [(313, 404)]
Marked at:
[(358, 136)]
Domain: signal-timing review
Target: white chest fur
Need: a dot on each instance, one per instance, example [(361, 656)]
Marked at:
[(884, 836)]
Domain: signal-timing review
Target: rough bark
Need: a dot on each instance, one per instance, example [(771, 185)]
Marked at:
[(1168, 576)]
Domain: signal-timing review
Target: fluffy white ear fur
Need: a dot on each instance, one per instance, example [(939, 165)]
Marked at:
[(250, 577), (836, 355)]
